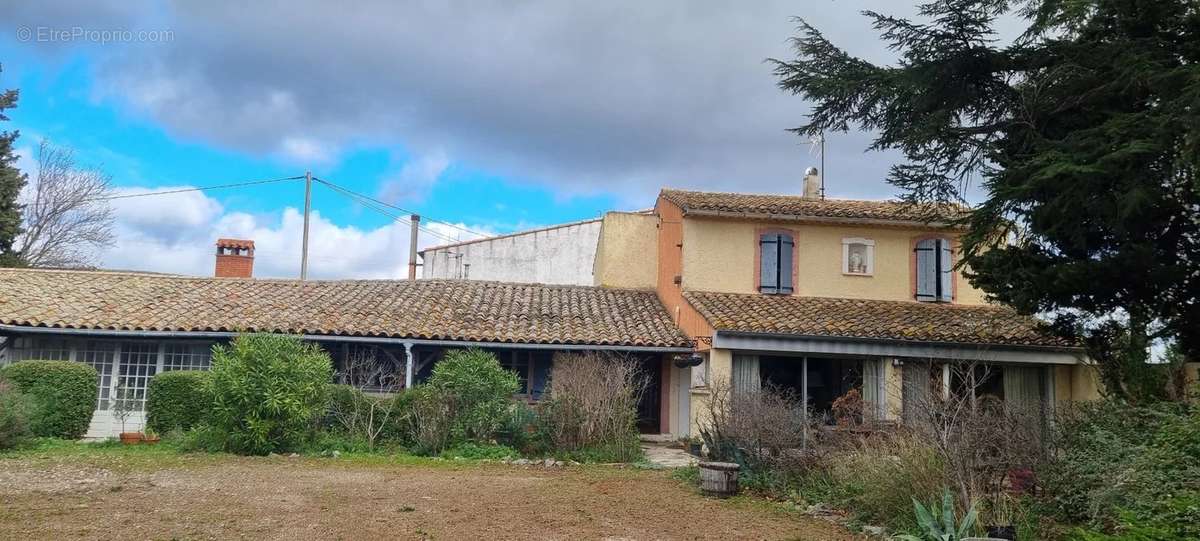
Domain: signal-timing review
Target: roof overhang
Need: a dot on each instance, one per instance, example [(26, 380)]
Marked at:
[(800, 218), (121, 333), (868, 347)]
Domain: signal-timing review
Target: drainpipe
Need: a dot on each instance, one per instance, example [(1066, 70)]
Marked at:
[(408, 366)]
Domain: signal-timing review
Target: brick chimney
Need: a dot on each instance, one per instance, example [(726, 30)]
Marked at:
[(235, 258)]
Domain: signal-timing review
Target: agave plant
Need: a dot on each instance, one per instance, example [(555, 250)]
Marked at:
[(937, 523)]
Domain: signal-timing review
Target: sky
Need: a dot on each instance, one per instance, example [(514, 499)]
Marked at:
[(493, 116)]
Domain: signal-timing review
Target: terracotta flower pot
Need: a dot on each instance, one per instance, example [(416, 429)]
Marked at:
[(150, 440), (131, 438)]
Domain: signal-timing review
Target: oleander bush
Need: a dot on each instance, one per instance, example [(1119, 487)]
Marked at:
[(63, 395), (15, 410), (178, 400), (269, 392)]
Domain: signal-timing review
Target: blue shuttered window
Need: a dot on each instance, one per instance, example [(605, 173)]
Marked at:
[(935, 267), (775, 263)]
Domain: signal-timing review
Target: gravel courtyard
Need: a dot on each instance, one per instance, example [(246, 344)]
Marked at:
[(158, 495)]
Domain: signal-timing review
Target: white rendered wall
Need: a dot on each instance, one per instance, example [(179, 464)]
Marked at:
[(562, 254)]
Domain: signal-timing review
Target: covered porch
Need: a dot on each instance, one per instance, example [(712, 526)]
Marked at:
[(128, 360)]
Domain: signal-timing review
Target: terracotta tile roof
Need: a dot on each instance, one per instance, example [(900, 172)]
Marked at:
[(423, 309), (235, 243), (871, 319), (794, 207)]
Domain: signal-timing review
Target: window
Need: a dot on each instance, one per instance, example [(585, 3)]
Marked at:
[(185, 356), (934, 271), (775, 263), (518, 362), (858, 257)]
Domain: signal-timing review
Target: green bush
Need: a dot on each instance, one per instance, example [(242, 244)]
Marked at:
[(268, 392), (15, 410), (63, 394), (178, 399), (1126, 469), (477, 392)]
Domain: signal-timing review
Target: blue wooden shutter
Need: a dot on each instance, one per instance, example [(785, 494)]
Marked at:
[(768, 278), (785, 263), (946, 272), (927, 282)]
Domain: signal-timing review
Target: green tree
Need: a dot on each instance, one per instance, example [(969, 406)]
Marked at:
[(1083, 134), (11, 182)]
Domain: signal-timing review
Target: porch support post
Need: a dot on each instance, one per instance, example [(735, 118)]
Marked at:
[(804, 401), (408, 366)]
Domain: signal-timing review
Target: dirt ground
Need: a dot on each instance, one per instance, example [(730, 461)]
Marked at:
[(312, 498)]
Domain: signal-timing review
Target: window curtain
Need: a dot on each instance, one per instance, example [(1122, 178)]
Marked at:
[(915, 388), (872, 389), (745, 374), (1022, 385)]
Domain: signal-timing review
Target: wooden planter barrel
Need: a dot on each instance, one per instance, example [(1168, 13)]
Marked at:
[(719, 479)]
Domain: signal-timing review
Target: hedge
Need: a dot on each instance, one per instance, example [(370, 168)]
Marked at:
[(63, 394), (177, 399)]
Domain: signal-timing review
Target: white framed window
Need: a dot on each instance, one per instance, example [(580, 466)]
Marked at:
[(858, 256), (187, 356)]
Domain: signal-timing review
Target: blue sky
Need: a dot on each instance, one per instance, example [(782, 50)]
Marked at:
[(495, 117)]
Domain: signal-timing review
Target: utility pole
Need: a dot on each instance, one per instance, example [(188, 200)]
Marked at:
[(307, 208), (414, 222)]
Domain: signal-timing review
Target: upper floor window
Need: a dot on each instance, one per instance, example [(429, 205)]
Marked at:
[(775, 263), (934, 268), (858, 257)]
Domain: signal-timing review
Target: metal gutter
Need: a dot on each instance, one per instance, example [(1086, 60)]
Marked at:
[(897, 341), (852, 347), (340, 338)]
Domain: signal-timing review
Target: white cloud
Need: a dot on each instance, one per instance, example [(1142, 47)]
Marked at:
[(305, 150), (415, 179), (176, 233)]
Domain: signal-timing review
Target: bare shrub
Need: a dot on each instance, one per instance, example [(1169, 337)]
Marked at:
[(357, 412), (593, 403), (982, 441), (760, 429)]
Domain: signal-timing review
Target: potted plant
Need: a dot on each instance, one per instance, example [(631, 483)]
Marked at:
[(695, 446), (149, 436), (123, 406), (1000, 518)]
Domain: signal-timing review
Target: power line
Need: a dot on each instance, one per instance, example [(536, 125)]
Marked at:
[(389, 205), (200, 189), (378, 206)]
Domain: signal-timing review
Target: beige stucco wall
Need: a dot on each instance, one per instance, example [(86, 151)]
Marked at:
[(720, 369), (627, 252), (719, 255)]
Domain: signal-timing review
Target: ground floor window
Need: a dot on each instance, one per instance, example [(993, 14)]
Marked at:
[(828, 380)]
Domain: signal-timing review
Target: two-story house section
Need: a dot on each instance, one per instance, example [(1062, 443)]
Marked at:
[(828, 296)]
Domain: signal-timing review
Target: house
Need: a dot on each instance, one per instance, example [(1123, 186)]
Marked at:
[(131, 326), (820, 296), (824, 296)]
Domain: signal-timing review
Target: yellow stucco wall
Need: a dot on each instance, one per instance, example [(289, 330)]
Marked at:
[(627, 253), (719, 255), (1085, 383), (720, 369)]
